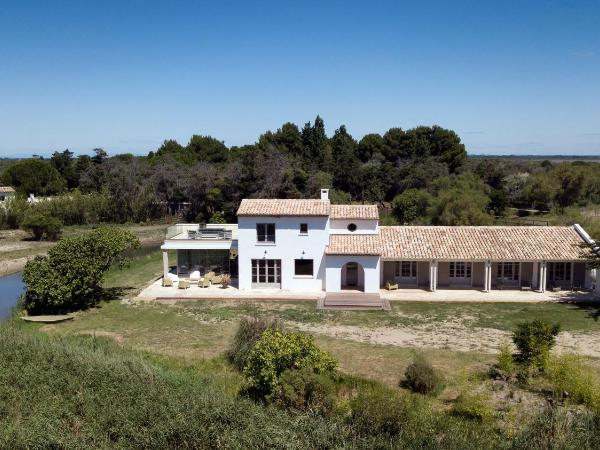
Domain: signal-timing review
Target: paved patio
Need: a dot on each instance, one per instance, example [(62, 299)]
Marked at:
[(155, 291), (474, 295)]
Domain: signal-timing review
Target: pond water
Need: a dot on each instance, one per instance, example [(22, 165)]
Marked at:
[(11, 288)]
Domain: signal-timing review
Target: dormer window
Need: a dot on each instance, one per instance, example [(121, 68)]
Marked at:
[(351, 227), (303, 228)]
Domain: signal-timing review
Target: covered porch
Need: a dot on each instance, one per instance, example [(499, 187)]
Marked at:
[(201, 250), (487, 275)]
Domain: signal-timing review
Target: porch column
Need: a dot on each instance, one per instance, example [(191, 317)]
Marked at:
[(542, 277), (487, 284), (433, 275), (590, 275), (165, 255)]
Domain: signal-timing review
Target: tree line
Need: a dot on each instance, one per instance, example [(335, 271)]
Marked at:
[(423, 174)]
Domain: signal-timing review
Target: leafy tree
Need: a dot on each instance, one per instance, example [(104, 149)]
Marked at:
[(64, 163), (571, 184), (346, 174), (169, 147), (217, 217), (34, 176), (339, 197), (207, 148), (70, 276), (289, 138), (411, 205), (395, 144), (317, 151), (371, 146), (41, 225), (539, 191), (461, 201), (99, 156)]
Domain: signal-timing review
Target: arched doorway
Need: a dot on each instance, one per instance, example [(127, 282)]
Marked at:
[(353, 277)]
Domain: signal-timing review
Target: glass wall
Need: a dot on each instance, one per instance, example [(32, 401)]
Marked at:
[(205, 261)]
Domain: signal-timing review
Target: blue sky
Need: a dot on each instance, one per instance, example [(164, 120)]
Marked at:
[(508, 76)]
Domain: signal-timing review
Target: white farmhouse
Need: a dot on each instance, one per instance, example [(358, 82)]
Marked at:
[(312, 245), (6, 194)]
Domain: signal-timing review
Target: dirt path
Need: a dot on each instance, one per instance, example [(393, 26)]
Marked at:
[(447, 335)]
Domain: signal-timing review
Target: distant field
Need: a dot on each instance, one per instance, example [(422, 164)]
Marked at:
[(551, 158)]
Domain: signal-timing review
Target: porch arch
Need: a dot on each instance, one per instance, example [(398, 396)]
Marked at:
[(352, 276)]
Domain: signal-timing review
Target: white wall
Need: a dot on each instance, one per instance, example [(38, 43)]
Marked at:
[(289, 245), (363, 226), (370, 265)]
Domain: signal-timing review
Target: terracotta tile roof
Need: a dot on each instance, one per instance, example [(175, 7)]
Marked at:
[(283, 207), (354, 212), (497, 243), (6, 189), (354, 244)]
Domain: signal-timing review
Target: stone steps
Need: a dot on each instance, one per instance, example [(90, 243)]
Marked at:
[(353, 302)]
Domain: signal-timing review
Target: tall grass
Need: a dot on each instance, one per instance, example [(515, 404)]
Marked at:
[(85, 392)]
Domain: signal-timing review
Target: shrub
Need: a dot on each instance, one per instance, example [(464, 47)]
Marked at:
[(276, 351), (70, 276), (379, 410), (534, 339), (306, 391), (571, 377), (40, 225), (506, 363), (421, 377), (248, 332), (472, 406)]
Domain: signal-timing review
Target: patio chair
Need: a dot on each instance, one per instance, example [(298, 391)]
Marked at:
[(183, 284), (526, 286), (216, 279), (167, 282), (195, 276), (209, 275), (204, 283), (391, 285)]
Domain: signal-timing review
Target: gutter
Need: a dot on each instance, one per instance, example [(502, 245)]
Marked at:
[(587, 238)]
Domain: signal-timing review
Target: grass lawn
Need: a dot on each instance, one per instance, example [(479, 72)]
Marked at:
[(198, 331)]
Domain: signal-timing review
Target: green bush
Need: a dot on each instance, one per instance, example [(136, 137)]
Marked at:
[(533, 340), (13, 212), (41, 225), (380, 410), (571, 377), (306, 391), (421, 377), (248, 332), (472, 406), (70, 276), (506, 363), (276, 351)]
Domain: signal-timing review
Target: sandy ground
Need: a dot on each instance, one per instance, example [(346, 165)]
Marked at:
[(447, 335)]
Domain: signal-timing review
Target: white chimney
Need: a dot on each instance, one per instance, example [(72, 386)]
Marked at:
[(324, 194)]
